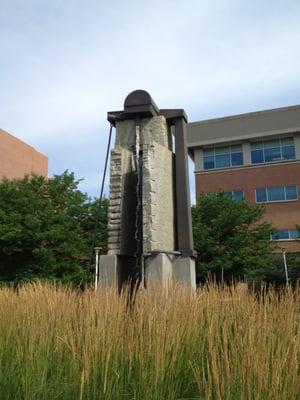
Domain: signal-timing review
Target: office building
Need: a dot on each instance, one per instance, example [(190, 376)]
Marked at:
[(18, 158), (255, 156)]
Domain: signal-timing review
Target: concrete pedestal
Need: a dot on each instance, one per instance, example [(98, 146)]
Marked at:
[(164, 268), (116, 270), (158, 270), (109, 270), (161, 268), (184, 271)]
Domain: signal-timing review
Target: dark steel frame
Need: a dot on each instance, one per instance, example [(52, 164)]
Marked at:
[(139, 104)]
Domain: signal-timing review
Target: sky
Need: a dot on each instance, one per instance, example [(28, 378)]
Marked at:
[(65, 63)]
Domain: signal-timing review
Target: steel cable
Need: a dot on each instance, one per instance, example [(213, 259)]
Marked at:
[(101, 195)]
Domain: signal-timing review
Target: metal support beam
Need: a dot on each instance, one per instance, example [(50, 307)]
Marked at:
[(183, 202)]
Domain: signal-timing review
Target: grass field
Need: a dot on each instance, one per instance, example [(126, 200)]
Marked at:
[(221, 343)]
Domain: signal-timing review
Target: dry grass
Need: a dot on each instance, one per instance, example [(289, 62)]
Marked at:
[(221, 343)]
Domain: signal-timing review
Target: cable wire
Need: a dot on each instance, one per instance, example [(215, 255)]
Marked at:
[(101, 195)]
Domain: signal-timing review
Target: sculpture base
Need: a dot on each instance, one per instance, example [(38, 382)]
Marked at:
[(158, 269), (184, 271), (115, 270), (161, 268)]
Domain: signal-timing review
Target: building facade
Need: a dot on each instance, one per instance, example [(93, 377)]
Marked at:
[(255, 156), (18, 158)]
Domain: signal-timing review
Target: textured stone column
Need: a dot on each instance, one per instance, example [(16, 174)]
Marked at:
[(158, 191)]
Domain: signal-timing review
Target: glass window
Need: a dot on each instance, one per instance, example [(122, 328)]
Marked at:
[(288, 153), (208, 152), (272, 154), (237, 194), (222, 150), (223, 157), (286, 234), (237, 148), (269, 144), (257, 156), (294, 234), (272, 150), (222, 160), (209, 162), (257, 145), (237, 159), (276, 193), (291, 192), (281, 235), (261, 195), (287, 141)]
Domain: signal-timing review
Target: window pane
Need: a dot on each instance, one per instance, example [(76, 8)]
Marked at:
[(283, 234), (273, 154), (276, 193), (208, 152), (236, 148), (257, 156), (222, 150), (256, 145), (271, 143), (287, 142), (261, 195), (294, 234), (291, 192), (237, 159), (288, 153), (237, 194), (209, 162), (280, 235), (222, 161)]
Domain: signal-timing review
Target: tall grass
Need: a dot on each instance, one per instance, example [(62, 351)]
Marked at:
[(220, 343)]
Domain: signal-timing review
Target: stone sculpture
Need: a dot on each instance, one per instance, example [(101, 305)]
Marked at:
[(149, 228)]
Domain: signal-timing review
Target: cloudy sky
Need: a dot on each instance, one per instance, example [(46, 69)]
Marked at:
[(65, 63)]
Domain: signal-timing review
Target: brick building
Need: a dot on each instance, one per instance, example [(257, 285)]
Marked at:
[(255, 156), (18, 158)]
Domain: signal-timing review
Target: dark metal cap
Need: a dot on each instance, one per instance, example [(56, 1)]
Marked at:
[(140, 101), (140, 104)]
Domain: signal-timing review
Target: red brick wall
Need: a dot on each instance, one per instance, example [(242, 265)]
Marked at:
[(283, 215), (18, 158)]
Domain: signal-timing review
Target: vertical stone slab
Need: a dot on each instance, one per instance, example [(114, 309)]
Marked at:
[(158, 191), (119, 265), (155, 129), (158, 198), (114, 210), (123, 197)]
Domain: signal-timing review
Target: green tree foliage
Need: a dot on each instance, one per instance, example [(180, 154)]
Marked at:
[(46, 229), (230, 238), (277, 274)]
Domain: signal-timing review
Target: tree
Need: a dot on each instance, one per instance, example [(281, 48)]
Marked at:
[(46, 229), (230, 238)]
